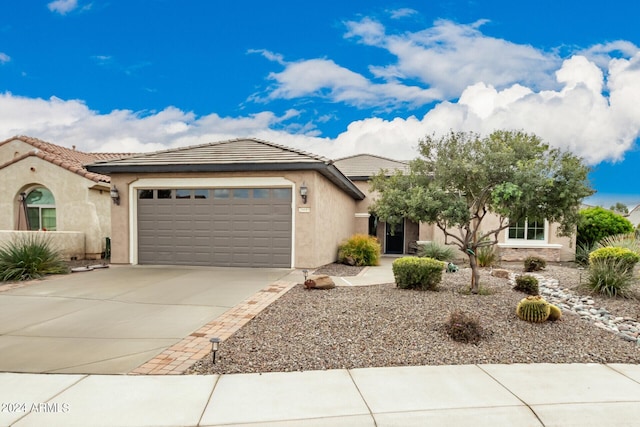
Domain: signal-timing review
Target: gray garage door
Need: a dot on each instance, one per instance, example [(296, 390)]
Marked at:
[(234, 227)]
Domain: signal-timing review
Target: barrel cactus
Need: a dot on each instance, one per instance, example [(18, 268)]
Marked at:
[(555, 313), (533, 309)]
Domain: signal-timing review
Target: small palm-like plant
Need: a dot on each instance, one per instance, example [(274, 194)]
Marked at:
[(29, 258)]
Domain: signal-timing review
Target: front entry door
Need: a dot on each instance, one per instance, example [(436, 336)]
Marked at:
[(394, 238)]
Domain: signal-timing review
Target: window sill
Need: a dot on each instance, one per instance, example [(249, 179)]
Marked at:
[(525, 244)]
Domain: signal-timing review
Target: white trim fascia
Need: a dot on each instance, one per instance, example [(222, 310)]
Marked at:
[(362, 215), (233, 182), (525, 245)]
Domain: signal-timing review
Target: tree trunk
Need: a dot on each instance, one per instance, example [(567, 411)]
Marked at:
[(475, 273)]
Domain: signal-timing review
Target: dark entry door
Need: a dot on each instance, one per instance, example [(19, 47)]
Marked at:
[(394, 238)]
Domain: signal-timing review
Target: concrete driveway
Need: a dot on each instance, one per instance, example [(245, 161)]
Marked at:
[(112, 320)]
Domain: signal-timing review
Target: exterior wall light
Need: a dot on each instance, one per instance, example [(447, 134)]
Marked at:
[(215, 344), (115, 195), (303, 192)]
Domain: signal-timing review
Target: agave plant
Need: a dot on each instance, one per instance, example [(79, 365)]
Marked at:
[(29, 258)]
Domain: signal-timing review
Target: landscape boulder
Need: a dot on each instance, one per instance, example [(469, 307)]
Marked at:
[(499, 272), (319, 282)]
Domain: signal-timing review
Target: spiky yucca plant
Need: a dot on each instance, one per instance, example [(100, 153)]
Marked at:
[(30, 257)]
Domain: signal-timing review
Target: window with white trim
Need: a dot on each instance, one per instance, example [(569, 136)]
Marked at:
[(529, 230), (41, 209)]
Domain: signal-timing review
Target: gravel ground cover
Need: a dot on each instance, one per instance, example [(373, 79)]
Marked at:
[(381, 325)]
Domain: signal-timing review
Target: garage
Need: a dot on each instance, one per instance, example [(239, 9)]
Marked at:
[(229, 227)]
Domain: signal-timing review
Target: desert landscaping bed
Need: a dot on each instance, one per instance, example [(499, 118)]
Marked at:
[(381, 325)]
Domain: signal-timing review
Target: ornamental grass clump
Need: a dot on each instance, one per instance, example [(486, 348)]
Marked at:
[(28, 258), (360, 250), (610, 277), (417, 273), (464, 328), (437, 251)]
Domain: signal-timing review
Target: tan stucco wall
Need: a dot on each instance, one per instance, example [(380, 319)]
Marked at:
[(317, 233), (70, 244), (78, 208)]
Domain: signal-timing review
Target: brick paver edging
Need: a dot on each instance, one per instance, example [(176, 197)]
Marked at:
[(179, 357)]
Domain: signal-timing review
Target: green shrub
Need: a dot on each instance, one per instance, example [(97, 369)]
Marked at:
[(437, 251), (609, 277), (534, 263), (527, 284), (417, 273), (462, 327), (486, 256), (596, 223), (360, 250), (623, 257), (29, 258)]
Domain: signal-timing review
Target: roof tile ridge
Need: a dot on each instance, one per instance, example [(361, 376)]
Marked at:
[(372, 155), (294, 150)]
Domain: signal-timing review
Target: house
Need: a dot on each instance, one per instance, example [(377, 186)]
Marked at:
[(46, 188), (634, 216), (520, 240), (248, 202)]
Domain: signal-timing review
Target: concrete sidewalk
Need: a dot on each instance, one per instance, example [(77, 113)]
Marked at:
[(478, 395)]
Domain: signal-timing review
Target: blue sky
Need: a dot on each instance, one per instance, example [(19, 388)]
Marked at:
[(334, 77)]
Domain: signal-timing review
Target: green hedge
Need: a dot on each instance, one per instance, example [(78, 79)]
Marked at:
[(418, 273)]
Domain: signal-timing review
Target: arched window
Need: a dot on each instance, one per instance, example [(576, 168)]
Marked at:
[(41, 209)]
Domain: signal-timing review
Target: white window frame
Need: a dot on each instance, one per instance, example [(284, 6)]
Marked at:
[(520, 243)]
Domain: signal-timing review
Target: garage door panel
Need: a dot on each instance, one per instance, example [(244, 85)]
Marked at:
[(233, 227)]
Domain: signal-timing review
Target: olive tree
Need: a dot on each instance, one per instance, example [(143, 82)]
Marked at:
[(462, 177)]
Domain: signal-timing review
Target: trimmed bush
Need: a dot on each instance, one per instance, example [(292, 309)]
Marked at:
[(417, 273), (30, 258), (609, 277), (360, 250), (463, 328), (623, 257), (534, 263), (597, 223), (437, 251), (527, 284)]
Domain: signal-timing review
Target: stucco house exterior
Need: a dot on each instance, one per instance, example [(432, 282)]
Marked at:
[(46, 189), (253, 203)]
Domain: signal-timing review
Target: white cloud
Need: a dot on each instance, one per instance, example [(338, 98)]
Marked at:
[(325, 79), (402, 13), (579, 116), (4, 58), (62, 6)]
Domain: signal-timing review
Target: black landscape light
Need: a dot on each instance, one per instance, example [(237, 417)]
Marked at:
[(215, 344), (305, 272)]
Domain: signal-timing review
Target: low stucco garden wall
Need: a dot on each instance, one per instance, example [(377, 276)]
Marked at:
[(71, 244)]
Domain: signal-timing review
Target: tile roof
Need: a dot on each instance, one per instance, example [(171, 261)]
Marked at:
[(230, 152), (235, 155), (364, 166), (67, 158)]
